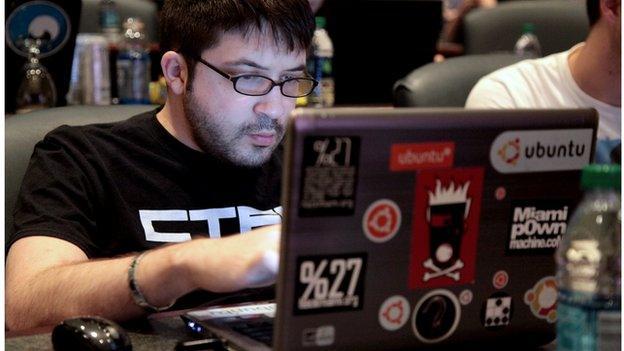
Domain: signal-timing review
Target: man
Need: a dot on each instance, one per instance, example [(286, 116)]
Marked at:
[(205, 165), (587, 75)]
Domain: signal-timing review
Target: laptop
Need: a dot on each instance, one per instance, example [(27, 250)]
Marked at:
[(416, 228)]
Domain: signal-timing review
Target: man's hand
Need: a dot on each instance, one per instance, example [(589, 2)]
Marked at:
[(233, 263)]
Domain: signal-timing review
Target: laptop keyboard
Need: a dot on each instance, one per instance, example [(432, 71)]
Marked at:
[(259, 329)]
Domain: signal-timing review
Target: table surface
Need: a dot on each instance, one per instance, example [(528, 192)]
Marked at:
[(159, 332)]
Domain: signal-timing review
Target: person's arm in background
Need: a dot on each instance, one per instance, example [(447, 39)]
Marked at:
[(454, 19), (49, 279)]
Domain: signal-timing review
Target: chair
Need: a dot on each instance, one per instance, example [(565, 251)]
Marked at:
[(22, 132), (145, 9), (559, 24), (449, 82)]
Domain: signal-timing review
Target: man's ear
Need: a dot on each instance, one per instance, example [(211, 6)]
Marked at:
[(175, 70), (610, 10)]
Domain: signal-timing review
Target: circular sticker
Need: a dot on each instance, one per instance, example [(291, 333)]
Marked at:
[(465, 297), (381, 220), (500, 193), (496, 311), (542, 299), (436, 316), (510, 152), (42, 20), (500, 279), (394, 313)]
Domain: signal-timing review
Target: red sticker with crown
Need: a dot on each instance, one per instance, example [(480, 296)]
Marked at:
[(445, 227)]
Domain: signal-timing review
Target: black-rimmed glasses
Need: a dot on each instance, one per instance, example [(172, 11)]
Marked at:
[(257, 85)]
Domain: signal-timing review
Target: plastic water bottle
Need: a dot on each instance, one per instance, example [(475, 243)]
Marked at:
[(109, 21), (133, 64), (588, 262), (528, 45), (321, 62)]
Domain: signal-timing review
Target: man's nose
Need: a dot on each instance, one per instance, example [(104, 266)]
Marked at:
[(273, 104)]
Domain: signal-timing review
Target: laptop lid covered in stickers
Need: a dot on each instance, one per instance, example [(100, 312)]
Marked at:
[(412, 228)]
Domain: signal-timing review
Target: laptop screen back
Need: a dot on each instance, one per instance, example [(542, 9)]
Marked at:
[(412, 227)]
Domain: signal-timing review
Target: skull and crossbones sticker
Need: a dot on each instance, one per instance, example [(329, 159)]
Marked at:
[(446, 215)]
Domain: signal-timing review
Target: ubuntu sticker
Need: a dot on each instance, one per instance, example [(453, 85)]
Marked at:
[(542, 299), (394, 313), (381, 220)]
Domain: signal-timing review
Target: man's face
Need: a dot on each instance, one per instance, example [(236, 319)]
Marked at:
[(244, 130)]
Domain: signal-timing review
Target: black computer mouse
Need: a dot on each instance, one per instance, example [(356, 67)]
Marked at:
[(89, 333)]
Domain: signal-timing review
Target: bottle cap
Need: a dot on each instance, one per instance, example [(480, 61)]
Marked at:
[(528, 28), (597, 176), (320, 22)]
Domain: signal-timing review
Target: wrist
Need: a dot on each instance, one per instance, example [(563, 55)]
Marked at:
[(157, 278), (181, 261), (135, 289)]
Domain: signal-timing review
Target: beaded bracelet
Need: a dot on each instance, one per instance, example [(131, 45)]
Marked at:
[(136, 293)]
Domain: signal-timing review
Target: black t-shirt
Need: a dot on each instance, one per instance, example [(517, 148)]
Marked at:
[(123, 187)]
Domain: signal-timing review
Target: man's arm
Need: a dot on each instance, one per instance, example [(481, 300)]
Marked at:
[(49, 279)]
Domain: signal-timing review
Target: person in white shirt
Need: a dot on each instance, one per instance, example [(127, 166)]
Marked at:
[(587, 75)]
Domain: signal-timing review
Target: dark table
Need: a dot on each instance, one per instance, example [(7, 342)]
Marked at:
[(158, 332)]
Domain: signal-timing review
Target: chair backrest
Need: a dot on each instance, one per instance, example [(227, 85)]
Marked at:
[(559, 24), (22, 132), (447, 83), (145, 9)]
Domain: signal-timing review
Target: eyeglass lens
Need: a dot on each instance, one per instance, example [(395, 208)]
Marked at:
[(258, 85)]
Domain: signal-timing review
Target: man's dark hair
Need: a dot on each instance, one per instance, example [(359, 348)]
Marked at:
[(593, 11), (192, 26)]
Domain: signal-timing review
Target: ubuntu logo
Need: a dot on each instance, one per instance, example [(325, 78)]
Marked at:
[(522, 151), (542, 299), (510, 152), (394, 313)]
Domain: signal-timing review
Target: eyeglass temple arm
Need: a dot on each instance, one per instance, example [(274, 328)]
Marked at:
[(225, 75)]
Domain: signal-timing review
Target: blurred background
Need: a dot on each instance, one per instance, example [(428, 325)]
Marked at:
[(365, 52)]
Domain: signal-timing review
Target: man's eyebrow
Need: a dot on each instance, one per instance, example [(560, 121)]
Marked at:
[(248, 63), (296, 69)]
